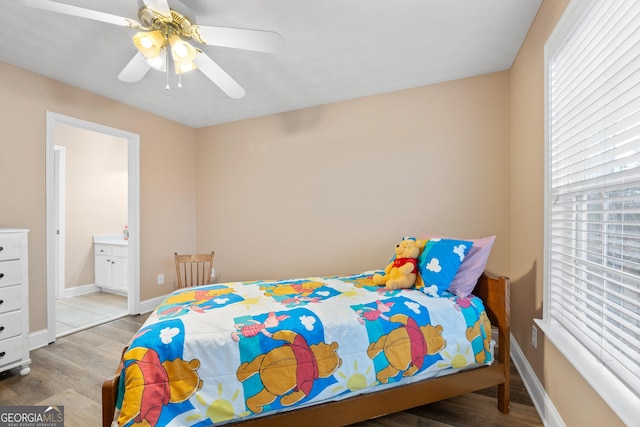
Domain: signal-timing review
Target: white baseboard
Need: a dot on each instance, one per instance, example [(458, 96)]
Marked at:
[(150, 304), (89, 289), (548, 413), (80, 290), (38, 339)]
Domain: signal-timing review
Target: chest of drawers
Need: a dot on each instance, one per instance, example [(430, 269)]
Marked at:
[(14, 300)]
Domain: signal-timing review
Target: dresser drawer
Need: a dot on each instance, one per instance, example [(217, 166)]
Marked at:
[(10, 299), (10, 324), (10, 247), (10, 273), (10, 350), (102, 249)]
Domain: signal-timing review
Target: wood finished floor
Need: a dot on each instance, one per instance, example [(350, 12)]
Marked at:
[(70, 373)]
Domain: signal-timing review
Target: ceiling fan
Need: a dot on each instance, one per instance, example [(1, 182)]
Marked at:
[(163, 36)]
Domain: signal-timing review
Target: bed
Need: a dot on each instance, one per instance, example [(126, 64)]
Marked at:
[(313, 351)]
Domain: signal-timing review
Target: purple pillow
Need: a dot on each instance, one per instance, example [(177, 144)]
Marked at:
[(472, 266)]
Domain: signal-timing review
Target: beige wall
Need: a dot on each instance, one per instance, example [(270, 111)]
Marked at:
[(96, 178), (576, 402), (331, 189), (167, 176)]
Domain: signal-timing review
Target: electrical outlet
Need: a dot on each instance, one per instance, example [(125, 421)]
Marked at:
[(534, 336), (160, 279)]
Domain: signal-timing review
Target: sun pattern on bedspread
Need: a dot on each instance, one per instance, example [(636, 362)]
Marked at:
[(217, 353)]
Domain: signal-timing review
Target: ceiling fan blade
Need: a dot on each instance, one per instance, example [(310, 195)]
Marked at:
[(68, 9), (135, 70), (239, 38), (218, 76), (161, 7)]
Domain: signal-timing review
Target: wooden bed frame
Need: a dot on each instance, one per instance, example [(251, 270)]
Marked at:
[(494, 291)]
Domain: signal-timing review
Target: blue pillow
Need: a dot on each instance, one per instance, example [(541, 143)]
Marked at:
[(439, 262)]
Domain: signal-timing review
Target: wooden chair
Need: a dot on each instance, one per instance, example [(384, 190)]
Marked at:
[(193, 270)]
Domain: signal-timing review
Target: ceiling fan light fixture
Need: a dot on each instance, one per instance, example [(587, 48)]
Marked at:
[(183, 68), (149, 43), (181, 51), (159, 62)]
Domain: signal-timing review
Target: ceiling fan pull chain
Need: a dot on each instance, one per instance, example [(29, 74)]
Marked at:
[(166, 64)]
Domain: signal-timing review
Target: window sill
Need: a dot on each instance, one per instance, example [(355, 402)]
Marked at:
[(624, 402)]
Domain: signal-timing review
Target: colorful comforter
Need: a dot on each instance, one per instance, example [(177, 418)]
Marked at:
[(217, 353)]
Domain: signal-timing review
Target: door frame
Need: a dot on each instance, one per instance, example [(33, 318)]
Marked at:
[(59, 194), (133, 160)]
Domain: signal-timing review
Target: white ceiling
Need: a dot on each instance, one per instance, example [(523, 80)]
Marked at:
[(336, 50)]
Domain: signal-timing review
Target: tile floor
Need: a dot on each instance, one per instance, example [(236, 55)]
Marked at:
[(81, 312)]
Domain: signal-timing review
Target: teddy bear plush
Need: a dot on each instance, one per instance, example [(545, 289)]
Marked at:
[(401, 273)]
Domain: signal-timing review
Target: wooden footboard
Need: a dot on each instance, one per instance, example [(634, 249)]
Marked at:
[(109, 395), (494, 291)]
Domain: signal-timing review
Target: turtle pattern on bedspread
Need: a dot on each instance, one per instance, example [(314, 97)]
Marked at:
[(214, 354)]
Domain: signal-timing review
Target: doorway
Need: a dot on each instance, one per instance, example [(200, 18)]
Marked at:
[(56, 233)]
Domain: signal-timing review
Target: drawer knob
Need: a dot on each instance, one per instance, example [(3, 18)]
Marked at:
[(1, 328), (1, 301), (1, 275), (1, 248), (2, 354)]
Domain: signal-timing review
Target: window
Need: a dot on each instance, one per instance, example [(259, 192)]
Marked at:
[(592, 218)]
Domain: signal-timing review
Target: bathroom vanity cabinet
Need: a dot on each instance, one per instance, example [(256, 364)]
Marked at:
[(111, 264)]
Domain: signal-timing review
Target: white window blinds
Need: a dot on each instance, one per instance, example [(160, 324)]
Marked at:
[(593, 217)]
